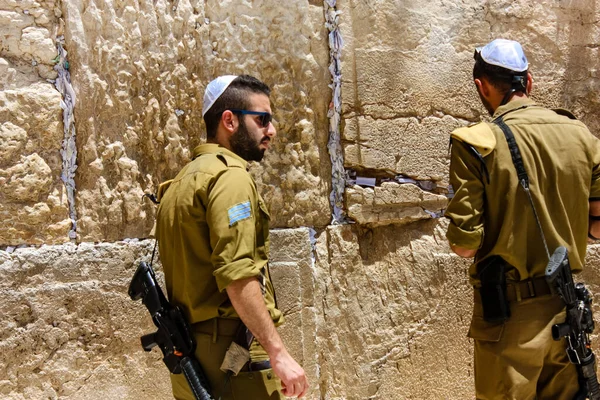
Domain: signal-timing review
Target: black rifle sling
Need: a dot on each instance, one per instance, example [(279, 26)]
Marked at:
[(521, 173)]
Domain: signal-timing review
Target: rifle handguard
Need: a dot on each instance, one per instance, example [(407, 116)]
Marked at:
[(173, 335)]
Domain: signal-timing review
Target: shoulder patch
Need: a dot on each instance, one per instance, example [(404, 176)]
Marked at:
[(566, 113), (239, 212), (480, 136)]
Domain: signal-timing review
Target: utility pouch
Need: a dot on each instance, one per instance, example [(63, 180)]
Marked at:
[(492, 274)]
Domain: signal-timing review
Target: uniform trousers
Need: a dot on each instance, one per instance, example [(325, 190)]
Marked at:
[(519, 360), (213, 337)]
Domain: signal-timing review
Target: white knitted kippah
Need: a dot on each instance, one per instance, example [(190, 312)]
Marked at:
[(506, 54), (214, 90)]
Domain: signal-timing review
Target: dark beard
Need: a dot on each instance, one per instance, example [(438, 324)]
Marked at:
[(244, 146)]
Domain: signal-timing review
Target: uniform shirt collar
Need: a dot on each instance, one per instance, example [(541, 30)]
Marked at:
[(214, 148), (513, 105)]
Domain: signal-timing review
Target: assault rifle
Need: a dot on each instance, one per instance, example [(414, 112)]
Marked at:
[(578, 325), (173, 335)]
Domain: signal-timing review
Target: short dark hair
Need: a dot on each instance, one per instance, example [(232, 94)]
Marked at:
[(500, 78), (234, 97)]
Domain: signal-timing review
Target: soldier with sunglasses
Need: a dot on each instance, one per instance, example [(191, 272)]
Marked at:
[(213, 235)]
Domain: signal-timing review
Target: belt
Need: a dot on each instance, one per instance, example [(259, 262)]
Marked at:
[(528, 288), (256, 366), (517, 291)]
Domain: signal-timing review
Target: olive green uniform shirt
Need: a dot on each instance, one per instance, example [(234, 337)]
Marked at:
[(213, 229), (490, 211)]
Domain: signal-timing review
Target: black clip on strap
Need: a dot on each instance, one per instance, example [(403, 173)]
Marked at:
[(521, 172), (153, 199)]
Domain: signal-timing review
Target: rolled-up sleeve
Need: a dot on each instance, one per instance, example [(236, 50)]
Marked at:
[(465, 210), (231, 217)]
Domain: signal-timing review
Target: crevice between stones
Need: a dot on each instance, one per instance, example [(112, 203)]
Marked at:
[(338, 173), (69, 149)]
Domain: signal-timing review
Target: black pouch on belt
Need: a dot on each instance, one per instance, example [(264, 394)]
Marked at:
[(492, 274)]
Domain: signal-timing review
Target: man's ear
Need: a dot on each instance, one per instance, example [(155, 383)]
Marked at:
[(529, 82), (483, 87), (229, 121)]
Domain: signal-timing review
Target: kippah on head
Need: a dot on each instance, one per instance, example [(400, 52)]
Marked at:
[(214, 90), (504, 53)]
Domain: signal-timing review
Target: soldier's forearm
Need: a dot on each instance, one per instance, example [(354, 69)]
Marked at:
[(247, 299)]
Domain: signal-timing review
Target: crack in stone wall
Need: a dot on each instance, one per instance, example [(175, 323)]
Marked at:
[(69, 146), (338, 173)]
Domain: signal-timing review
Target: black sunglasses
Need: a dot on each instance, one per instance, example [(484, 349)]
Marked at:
[(265, 117)]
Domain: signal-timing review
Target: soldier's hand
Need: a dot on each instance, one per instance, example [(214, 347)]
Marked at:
[(293, 378)]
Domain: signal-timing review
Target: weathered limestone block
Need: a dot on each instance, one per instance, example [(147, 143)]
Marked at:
[(27, 35), (33, 204), (591, 277), (391, 203), (294, 278), (416, 147), (69, 329), (406, 62), (139, 72), (394, 314)]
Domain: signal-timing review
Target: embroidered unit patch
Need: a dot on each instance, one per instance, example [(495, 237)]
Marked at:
[(239, 212)]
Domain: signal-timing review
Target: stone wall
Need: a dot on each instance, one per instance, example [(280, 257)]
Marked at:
[(32, 197), (407, 72), (377, 308)]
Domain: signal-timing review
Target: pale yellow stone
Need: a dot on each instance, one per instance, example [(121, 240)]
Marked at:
[(37, 43), (12, 141)]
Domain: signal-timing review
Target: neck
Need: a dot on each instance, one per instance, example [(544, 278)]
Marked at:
[(221, 139), (508, 97)]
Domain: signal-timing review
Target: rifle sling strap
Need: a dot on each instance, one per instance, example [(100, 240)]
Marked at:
[(515, 154)]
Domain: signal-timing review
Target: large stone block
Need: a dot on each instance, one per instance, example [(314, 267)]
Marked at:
[(407, 73), (69, 328), (394, 314), (33, 202), (392, 203), (415, 147), (140, 72), (27, 35), (293, 273)]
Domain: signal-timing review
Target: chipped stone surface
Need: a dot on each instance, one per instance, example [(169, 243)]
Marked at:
[(32, 202), (140, 73), (27, 33), (405, 62), (294, 276), (379, 313), (391, 203), (415, 147), (69, 328), (32, 199), (390, 296)]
